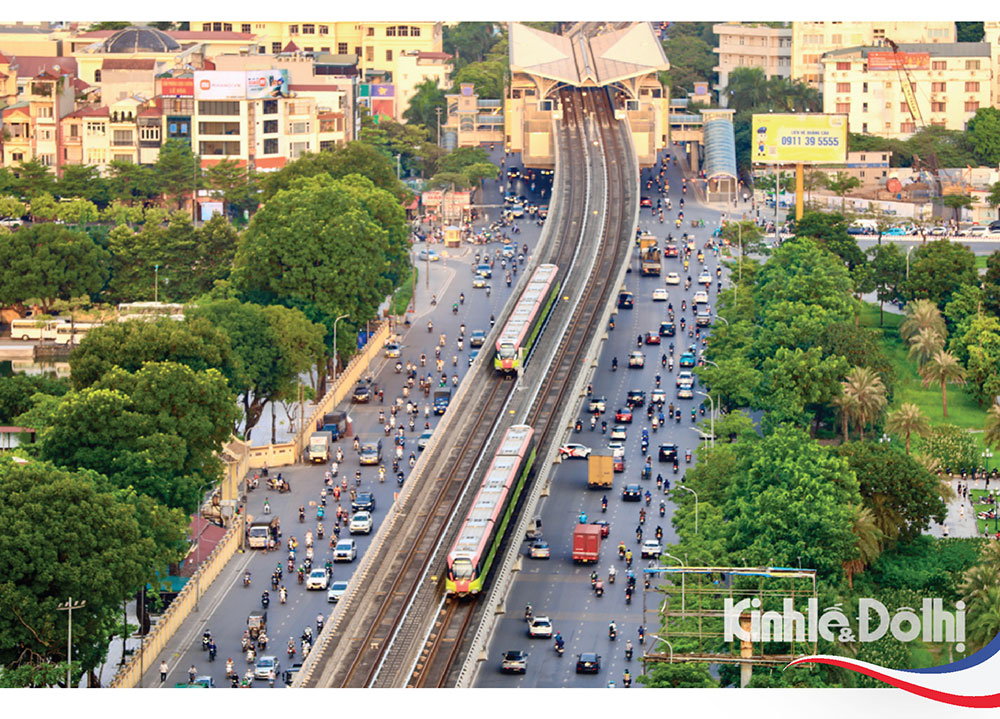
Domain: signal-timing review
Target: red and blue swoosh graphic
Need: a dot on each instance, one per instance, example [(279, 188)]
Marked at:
[(959, 683)]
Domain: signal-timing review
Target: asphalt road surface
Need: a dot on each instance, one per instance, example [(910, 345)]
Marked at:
[(557, 587), (224, 608)]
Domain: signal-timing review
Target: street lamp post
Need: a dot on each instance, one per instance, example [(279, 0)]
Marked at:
[(68, 606), (908, 251), (397, 166), (668, 554), (661, 639), (711, 416), (156, 283), (335, 345), (987, 455), (688, 489)]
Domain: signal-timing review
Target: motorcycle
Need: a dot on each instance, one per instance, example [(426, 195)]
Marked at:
[(560, 649), (612, 632), (687, 456), (599, 588), (265, 600), (246, 579), (211, 652), (578, 426), (206, 640)]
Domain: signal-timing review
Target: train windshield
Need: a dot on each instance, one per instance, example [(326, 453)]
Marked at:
[(507, 350), (462, 569)]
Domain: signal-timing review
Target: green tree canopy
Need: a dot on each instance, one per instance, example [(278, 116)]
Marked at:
[(938, 269), (425, 103), (178, 170), (984, 128)]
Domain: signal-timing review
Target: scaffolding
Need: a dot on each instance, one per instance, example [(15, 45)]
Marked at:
[(692, 611)]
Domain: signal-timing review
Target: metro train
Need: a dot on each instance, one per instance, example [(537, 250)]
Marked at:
[(483, 529), (525, 322)]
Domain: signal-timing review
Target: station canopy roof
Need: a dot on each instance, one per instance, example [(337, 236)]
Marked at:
[(578, 60)]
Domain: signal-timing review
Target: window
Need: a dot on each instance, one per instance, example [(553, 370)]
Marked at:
[(864, 127), (308, 29), (179, 105), (206, 27), (327, 145), (270, 127), (370, 32), (94, 157), (218, 128), (843, 108), (939, 65), (388, 55), (939, 86), (938, 107), (972, 87), (342, 48), (903, 107), (74, 130), (218, 107), (44, 134), (390, 31), (864, 107), (97, 75), (843, 66), (270, 107), (122, 137), (46, 111), (227, 27), (414, 31), (971, 106), (403, 31), (149, 133), (271, 146), (843, 87), (972, 64), (864, 87), (96, 128), (19, 156), (324, 29), (219, 147), (357, 51), (298, 148), (123, 158), (217, 26), (299, 128), (245, 28), (308, 49), (293, 29), (275, 48), (369, 54), (836, 40)]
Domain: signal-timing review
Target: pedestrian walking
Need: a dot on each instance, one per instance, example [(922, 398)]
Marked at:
[(192, 673), (163, 672), (270, 678)]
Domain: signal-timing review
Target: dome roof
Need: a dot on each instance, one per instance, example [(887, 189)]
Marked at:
[(140, 39)]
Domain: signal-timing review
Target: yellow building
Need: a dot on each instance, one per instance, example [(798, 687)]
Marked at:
[(44, 94), (751, 44), (414, 68), (378, 45), (891, 94), (811, 40), (471, 121), (41, 39)]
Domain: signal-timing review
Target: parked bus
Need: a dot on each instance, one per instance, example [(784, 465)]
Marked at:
[(67, 333), (32, 329), (149, 311)]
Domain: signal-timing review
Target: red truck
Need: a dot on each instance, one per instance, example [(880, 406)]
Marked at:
[(586, 543)]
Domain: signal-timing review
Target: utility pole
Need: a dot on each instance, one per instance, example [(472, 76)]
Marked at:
[(437, 111), (68, 606), (156, 283), (335, 346)]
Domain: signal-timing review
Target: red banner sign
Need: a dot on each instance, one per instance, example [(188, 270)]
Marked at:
[(879, 60), (177, 86)]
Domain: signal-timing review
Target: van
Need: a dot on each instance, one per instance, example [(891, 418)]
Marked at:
[(260, 530)]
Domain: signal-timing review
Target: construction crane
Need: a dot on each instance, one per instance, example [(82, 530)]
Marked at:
[(906, 84)]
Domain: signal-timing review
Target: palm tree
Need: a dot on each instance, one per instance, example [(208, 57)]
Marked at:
[(865, 385), (982, 596), (922, 314), (942, 368), (907, 420), (925, 344), (867, 542), (747, 88), (847, 405), (991, 432)]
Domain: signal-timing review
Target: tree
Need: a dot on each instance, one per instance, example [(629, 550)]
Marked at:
[(980, 346), (195, 343), (745, 235), (861, 347), (12, 208), (984, 130), (217, 241), (44, 207), (847, 406), (795, 380), (901, 496), (158, 430), (925, 345), (942, 369), (958, 202), (85, 182), (867, 542), (993, 198), (17, 390), (953, 447), (178, 170), (814, 180), (794, 501), (991, 283), (33, 179), (830, 231), (965, 304), (969, 31), (734, 382), (77, 212), (865, 386), (67, 534), (424, 104), (938, 269), (691, 61), (468, 42), (907, 420), (991, 431), (747, 89), (982, 597), (692, 675), (488, 78), (233, 184), (922, 315), (888, 265), (132, 183), (842, 183), (46, 262)]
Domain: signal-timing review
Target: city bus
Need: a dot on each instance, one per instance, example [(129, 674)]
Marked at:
[(148, 311), (33, 329), (67, 333)]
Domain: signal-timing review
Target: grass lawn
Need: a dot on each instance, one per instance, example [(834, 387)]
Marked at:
[(979, 503), (962, 408), (401, 300), (981, 262)]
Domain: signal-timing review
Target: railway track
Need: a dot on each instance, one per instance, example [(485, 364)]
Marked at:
[(436, 662)]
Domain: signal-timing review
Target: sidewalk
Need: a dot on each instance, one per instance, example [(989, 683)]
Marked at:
[(960, 520)]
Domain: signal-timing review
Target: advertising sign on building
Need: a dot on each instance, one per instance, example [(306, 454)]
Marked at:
[(177, 86), (879, 60), (804, 137), (220, 85), (267, 83), (431, 198)]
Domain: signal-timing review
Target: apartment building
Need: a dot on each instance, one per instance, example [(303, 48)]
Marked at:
[(892, 94), (378, 45), (471, 121), (414, 68), (751, 45), (811, 40), (29, 126)]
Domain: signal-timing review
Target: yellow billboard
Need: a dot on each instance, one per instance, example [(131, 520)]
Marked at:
[(799, 137)]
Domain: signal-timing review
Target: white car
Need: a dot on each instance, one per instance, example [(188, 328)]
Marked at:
[(660, 294), (704, 279), (650, 548), (428, 255), (336, 591), (701, 297), (317, 579), (672, 278), (345, 551), (617, 449), (685, 378), (393, 350), (478, 282), (540, 627), (264, 665), (361, 523), (574, 451), (619, 432)]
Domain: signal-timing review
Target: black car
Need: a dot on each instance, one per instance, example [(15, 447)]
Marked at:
[(362, 393), (363, 502), (631, 493), (667, 329), (668, 453), (635, 398), (625, 300), (995, 226), (588, 663)]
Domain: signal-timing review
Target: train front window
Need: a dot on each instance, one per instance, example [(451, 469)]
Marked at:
[(507, 351), (462, 569)]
